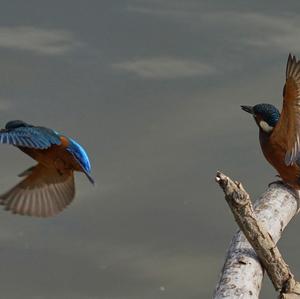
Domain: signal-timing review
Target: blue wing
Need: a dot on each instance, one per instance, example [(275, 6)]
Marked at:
[(21, 134)]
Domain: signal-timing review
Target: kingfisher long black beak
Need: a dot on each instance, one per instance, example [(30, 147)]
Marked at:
[(248, 109)]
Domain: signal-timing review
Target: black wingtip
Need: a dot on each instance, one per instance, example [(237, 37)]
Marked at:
[(288, 64), (292, 66), (291, 58)]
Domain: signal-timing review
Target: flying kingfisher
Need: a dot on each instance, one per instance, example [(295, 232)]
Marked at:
[(279, 134), (48, 187)]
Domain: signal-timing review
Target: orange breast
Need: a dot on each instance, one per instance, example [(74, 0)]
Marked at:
[(56, 156), (274, 150)]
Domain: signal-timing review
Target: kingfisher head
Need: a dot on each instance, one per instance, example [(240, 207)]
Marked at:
[(81, 156), (266, 116)]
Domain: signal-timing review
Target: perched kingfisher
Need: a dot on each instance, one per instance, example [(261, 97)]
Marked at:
[(279, 134), (48, 186)]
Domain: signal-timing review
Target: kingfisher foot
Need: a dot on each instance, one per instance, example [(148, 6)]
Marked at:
[(277, 182), (295, 193)]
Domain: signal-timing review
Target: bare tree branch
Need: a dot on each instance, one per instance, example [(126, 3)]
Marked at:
[(242, 273)]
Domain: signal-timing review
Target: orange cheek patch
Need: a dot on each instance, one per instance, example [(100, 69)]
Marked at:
[(64, 141), (258, 119)]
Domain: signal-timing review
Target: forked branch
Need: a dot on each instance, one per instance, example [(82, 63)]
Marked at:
[(242, 273)]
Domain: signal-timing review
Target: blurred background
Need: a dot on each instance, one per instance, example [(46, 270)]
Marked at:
[(153, 90)]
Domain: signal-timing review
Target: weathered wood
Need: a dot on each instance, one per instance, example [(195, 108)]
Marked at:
[(242, 273)]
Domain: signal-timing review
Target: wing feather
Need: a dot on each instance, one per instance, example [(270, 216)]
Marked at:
[(29, 136), (288, 127), (43, 193)]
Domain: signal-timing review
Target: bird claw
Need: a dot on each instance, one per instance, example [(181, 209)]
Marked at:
[(295, 192), (276, 182)]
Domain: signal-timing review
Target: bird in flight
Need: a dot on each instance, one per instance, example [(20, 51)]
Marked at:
[(279, 134), (48, 187)]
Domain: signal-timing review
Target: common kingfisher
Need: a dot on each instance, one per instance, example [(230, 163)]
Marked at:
[(48, 187), (279, 134)]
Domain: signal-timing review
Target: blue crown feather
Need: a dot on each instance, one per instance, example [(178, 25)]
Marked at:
[(80, 154), (268, 112)]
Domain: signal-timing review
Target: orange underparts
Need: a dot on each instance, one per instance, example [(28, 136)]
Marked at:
[(56, 156)]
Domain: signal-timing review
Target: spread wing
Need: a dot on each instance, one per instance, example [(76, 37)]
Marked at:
[(289, 123), (43, 193), (29, 136)]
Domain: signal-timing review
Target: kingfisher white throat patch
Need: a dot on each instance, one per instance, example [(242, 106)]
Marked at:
[(265, 126)]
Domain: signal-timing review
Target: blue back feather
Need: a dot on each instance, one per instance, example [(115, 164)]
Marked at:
[(21, 134)]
